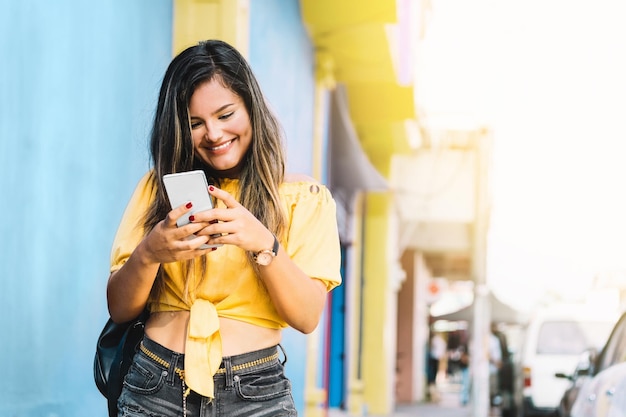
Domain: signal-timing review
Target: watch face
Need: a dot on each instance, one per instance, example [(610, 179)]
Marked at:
[(264, 258)]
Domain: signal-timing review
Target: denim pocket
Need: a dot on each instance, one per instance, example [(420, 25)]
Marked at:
[(262, 385), (144, 380)]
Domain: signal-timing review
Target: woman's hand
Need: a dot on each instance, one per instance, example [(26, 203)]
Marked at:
[(167, 242), (233, 225), (129, 287)]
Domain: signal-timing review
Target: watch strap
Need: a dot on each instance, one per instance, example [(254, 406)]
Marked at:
[(274, 250), (276, 245)]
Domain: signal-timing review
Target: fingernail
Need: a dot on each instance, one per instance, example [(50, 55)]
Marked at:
[(188, 205), (192, 218), (211, 188), (213, 248)]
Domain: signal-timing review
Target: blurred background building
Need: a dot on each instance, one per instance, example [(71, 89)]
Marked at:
[(77, 90)]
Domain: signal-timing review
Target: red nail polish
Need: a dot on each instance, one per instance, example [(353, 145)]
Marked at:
[(188, 205), (211, 188), (192, 218), (213, 248)]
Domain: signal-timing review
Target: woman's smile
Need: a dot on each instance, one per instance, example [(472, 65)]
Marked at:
[(222, 147)]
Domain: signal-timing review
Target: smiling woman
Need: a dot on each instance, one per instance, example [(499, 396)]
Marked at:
[(222, 284)]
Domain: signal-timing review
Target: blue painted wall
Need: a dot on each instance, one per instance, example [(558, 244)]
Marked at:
[(337, 343), (77, 85)]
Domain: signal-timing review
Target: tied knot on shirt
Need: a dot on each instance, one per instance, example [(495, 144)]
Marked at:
[(203, 348)]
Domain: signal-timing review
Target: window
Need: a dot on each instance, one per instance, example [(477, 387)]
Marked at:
[(615, 350), (571, 337)]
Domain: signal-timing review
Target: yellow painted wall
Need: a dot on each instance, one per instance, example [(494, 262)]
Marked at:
[(377, 377), (196, 20), (352, 281)]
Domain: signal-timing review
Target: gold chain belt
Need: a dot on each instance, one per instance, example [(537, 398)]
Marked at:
[(181, 372), (157, 359)]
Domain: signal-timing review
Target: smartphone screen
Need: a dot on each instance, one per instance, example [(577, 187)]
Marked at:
[(184, 187)]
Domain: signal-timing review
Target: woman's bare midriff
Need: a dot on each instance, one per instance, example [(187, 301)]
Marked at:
[(169, 329)]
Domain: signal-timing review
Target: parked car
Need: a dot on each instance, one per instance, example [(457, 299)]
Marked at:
[(584, 371), (553, 342), (604, 395), (604, 392)]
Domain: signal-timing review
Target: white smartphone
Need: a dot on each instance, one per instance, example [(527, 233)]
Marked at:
[(184, 187)]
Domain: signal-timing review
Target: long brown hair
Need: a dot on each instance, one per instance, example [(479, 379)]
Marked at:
[(171, 146)]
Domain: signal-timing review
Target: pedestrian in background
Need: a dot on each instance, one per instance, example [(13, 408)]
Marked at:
[(495, 363), (464, 365), (437, 351)]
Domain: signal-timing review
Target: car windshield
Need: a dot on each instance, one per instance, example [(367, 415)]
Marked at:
[(571, 337)]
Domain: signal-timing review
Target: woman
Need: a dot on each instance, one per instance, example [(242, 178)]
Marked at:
[(211, 342)]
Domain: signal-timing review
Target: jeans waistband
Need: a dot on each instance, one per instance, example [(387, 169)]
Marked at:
[(173, 361), (249, 362)]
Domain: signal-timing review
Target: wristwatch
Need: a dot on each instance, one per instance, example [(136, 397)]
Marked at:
[(266, 256)]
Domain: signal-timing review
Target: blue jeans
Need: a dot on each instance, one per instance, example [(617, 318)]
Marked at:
[(152, 389), (465, 385)]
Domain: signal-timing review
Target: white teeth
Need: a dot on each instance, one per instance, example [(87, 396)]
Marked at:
[(221, 146)]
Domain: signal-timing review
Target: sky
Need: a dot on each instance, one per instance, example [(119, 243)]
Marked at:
[(549, 78)]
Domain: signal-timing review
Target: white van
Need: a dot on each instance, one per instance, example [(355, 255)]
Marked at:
[(553, 342)]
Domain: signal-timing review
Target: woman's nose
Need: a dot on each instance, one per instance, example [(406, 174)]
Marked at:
[(213, 132)]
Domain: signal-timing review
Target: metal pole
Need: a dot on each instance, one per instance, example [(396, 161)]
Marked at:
[(479, 360)]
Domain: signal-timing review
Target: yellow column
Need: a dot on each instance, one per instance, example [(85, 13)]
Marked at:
[(196, 20), (354, 399), (315, 397), (378, 322)]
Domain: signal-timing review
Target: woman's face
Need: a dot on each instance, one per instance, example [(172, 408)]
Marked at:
[(220, 127)]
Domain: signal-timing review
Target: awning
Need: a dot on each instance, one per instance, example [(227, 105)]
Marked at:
[(369, 47), (500, 312), (350, 168)]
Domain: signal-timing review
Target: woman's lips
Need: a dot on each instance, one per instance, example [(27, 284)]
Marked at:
[(221, 147)]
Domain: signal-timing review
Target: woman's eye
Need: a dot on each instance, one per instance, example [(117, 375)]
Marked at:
[(195, 125), (226, 116)]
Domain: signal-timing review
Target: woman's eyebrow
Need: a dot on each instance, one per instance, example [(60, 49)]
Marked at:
[(225, 106), (222, 108)]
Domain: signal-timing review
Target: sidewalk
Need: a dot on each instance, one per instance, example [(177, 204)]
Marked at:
[(448, 406)]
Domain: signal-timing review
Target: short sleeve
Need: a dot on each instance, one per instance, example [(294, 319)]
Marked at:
[(131, 231), (313, 237)]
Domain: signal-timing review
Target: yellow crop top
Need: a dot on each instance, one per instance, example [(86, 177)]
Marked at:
[(230, 288)]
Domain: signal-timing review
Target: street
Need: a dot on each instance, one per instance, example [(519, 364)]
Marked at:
[(447, 406)]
